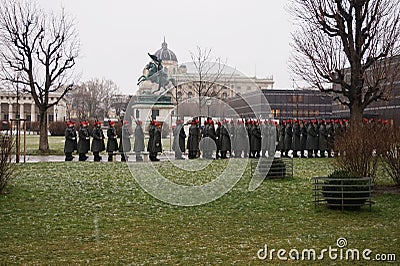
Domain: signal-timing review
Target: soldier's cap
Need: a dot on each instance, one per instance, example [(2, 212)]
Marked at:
[(379, 120), (70, 123), (386, 121), (82, 123), (111, 123), (151, 122), (219, 123), (126, 122), (139, 122)]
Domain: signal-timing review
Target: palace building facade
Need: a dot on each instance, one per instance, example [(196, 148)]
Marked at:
[(25, 107), (226, 82)]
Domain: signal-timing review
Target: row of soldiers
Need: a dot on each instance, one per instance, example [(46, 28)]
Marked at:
[(317, 137), (254, 138), (80, 141), (241, 139)]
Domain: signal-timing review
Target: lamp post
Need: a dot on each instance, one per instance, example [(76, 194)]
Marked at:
[(208, 103)]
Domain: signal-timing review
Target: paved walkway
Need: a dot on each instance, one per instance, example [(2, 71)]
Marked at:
[(165, 156)]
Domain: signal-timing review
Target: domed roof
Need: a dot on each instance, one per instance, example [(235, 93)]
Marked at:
[(165, 54)]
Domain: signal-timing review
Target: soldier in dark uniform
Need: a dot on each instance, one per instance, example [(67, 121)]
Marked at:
[(193, 139), (331, 137), (70, 141), (249, 129), (322, 139), (288, 137), (209, 138), (205, 144), (218, 140), (240, 139), (182, 137), (296, 138), (303, 138), (156, 144), (84, 141), (98, 141), (246, 151), (125, 141), (264, 138), (224, 140), (271, 138), (150, 143), (177, 131), (255, 140), (312, 140), (138, 145), (231, 130), (281, 142), (112, 143)]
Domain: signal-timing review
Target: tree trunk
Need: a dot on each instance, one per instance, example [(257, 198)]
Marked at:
[(43, 139), (356, 113)]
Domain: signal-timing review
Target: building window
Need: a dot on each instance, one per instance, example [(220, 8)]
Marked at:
[(155, 113), (51, 118), (190, 94), (5, 116), (224, 96), (137, 114), (179, 95), (300, 98)]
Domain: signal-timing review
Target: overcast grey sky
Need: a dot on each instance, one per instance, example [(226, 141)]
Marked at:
[(252, 35)]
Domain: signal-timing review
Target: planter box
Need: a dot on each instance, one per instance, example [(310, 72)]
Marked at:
[(343, 193), (272, 168)]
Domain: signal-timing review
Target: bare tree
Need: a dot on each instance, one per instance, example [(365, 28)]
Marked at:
[(350, 44), (92, 99), (42, 49), (210, 76)]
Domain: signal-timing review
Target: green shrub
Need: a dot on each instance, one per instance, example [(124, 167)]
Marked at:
[(345, 191), (57, 128)]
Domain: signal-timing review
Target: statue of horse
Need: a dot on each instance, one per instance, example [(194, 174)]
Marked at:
[(155, 73)]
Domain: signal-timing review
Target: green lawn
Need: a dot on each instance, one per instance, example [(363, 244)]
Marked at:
[(95, 213)]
